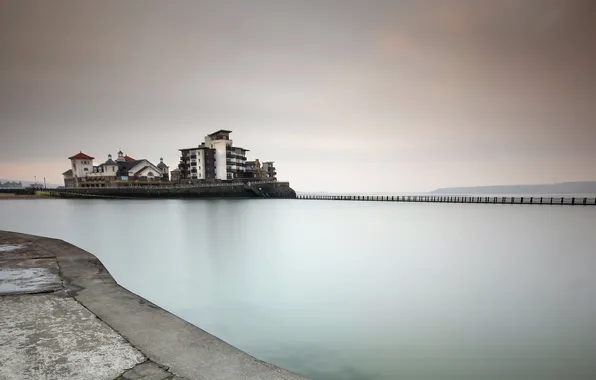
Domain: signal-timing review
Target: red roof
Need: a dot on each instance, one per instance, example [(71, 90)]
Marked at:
[(81, 156), (127, 158)]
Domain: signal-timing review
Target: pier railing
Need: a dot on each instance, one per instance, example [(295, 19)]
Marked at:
[(572, 201)]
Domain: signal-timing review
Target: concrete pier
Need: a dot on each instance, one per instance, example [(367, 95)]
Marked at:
[(63, 316)]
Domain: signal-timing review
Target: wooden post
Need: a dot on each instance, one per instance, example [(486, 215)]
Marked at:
[(540, 200), (562, 200), (585, 201), (512, 200), (573, 200)]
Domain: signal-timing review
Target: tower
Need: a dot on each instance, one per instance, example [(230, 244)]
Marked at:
[(81, 164), (165, 172)]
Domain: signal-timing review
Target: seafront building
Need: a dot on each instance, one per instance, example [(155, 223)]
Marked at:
[(218, 159), (124, 171)]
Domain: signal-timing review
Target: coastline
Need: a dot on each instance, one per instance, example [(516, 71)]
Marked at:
[(167, 343)]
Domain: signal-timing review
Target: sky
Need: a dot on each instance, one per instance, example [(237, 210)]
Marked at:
[(344, 96)]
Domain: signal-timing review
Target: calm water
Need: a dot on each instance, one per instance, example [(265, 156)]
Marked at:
[(347, 290)]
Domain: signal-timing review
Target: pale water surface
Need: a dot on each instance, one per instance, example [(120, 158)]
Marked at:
[(356, 290)]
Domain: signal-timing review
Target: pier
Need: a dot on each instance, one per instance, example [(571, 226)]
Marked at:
[(526, 200)]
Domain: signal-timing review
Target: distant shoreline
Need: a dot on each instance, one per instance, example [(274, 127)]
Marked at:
[(19, 196), (583, 188)]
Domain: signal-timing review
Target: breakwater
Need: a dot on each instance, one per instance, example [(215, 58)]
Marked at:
[(91, 327), (262, 189), (571, 201)]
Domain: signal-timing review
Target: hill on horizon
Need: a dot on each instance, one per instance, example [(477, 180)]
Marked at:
[(576, 188)]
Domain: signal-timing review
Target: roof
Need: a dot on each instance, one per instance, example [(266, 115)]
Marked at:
[(127, 165), (175, 170), (220, 131), (68, 172), (143, 168), (196, 148), (81, 156), (237, 147), (162, 165), (127, 158), (110, 162)]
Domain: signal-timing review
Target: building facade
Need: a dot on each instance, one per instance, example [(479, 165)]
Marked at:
[(197, 163), (124, 171), (218, 159)]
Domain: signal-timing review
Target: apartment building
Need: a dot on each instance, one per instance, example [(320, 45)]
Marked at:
[(215, 158)]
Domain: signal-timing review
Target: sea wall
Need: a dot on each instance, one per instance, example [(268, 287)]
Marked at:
[(253, 190), (172, 346)]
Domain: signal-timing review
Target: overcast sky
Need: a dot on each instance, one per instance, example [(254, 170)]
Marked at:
[(342, 95)]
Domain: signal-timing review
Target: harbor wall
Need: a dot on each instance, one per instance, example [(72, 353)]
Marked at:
[(184, 350)]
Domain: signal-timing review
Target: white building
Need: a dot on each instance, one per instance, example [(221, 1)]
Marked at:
[(113, 173), (229, 160)]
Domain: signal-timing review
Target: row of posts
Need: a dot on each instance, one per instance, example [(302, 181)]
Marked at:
[(453, 199)]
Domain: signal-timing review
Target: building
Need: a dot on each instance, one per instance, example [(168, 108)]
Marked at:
[(217, 159), (175, 175), (269, 169), (124, 171), (256, 170), (229, 160), (197, 163), (165, 170)]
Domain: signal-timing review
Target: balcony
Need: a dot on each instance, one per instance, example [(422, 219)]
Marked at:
[(193, 156)]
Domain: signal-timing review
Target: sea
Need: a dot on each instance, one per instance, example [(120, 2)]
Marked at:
[(355, 290)]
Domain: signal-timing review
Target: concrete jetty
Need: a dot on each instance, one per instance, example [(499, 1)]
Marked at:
[(63, 316)]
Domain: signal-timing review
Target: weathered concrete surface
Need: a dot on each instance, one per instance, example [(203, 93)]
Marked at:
[(176, 345), (29, 276), (147, 371), (51, 337)]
